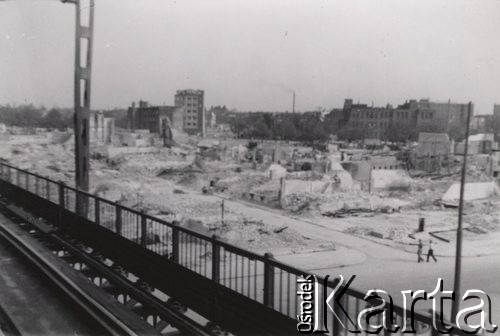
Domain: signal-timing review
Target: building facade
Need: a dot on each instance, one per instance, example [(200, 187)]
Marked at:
[(154, 118), (192, 103), (440, 117), (409, 118)]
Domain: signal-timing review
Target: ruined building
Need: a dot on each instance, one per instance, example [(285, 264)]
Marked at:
[(154, 118), (187, 115), (101, 129)]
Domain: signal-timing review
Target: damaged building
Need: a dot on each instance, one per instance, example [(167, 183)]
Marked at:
[(101, 128)]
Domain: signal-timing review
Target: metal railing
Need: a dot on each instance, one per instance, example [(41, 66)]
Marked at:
[(260, 278)]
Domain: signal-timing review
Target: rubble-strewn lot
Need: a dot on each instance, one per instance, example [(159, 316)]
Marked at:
[(177, 183)]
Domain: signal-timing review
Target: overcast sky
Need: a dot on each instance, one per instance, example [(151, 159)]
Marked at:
[(250, 54)]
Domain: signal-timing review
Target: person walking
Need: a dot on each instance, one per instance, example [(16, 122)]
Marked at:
[(430, 253), (419, 250)]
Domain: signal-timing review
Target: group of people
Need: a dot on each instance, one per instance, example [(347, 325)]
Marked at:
[(430, 252)]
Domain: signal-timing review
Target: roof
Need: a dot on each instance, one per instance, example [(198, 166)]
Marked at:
[(433, 137)]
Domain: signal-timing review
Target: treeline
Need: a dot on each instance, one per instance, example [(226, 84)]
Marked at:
[(32, 116), (306, 127)]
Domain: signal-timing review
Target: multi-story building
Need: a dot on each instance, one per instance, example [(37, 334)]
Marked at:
[(411, 117), (480, 123), (154, 118), (193, 110), (377, 122), (440, 117)]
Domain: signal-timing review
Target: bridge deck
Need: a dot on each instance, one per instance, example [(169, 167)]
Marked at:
[(33, 305)]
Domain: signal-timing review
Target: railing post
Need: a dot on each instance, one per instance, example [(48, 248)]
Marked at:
[(27, 181), (37, 185), (61, 202), (61, 195), (47, 189), (118, 219), (268, 281), (144, 230), (175, 243), (215, 259), (18, 178), (97, 211)]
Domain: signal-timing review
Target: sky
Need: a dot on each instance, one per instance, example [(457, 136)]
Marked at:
[(251, 54)]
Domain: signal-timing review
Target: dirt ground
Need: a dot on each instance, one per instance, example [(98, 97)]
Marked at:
[(168, 184)]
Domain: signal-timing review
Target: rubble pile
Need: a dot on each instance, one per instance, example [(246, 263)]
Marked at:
[(169, 183), (261, 237)]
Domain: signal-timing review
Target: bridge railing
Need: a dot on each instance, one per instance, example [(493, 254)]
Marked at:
[(258, 277)]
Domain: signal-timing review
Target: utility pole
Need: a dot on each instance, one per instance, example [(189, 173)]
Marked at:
[(458, 255), (83, 66)]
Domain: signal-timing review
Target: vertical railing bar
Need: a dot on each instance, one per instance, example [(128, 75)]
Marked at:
[(224, 266), (288, 294), (248, 277), (97, 211), (236, 257), (144, 229), (197, 256), (205, 253), (242, 275), (280, 289), (118, 220), (215, 260), (230, 270), (255, 279)]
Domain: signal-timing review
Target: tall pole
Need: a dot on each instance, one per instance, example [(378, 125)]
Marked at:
[(458, 255), (83, 67)]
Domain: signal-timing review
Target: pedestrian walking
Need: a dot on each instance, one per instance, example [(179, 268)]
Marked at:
[(419, 250), (430, 253)]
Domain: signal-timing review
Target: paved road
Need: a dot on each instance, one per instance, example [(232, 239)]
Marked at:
[(386, 267)]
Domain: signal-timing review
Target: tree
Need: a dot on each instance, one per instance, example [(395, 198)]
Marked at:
[(285, 130), (400, 133), (457, 131), (351, 133), (54, 119), (22, 115)]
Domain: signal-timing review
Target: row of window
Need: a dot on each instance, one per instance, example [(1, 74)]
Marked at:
[(380, 114), (427, 115), (371, 114), (402, 114), (370, 124)]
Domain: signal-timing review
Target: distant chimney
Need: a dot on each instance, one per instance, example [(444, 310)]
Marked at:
[(293, 102)]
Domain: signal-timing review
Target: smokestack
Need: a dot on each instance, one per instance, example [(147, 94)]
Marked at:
[(293, 102)]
